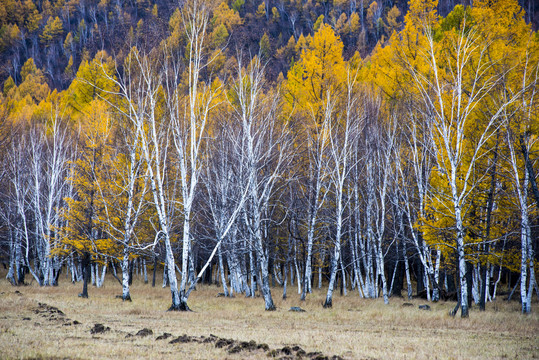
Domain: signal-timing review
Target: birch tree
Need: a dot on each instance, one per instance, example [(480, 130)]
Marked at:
[(458, 76), (263, 150), (341, 136), (49, 147), (521, 130), (140, 91), (123, 192), (414, 176), (189, 118)]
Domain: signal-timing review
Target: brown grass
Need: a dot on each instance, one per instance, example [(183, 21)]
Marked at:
[(354, 328)]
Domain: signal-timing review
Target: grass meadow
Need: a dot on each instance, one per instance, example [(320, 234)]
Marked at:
[(355, 328)]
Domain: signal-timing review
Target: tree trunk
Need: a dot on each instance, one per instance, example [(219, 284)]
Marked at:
[(86, 269), (285, 281), (126, 295), (92, 273), (266, 293), (343, 282), (177, 304), (334, 265), (436, 284), (469, 283), (145, 271), (165, 275), (525, 239), (529, 168), (11, 272), (103, 273), (222, 273), (154, 270), (253, 273)]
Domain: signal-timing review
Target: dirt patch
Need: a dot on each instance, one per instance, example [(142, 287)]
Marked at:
[(296, 352), (296, 309), (43, 308), (99, 329), (234, 347), (52, 313), (164, 336), (144, 332)]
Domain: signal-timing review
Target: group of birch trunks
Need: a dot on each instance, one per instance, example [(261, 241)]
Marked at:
[(223, 182)]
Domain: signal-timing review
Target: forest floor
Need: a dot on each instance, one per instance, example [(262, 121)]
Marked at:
[(54, 323)]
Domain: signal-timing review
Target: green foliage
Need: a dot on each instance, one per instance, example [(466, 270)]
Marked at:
[(265, 47), (455, 20), (52, 31), (237, 5), (93, 81), (318, 23), (219, 36)]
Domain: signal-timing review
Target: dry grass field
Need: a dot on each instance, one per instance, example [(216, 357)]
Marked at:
[(32, 328)]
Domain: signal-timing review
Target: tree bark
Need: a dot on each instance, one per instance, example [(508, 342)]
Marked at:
[(126, 295), (86, 268)]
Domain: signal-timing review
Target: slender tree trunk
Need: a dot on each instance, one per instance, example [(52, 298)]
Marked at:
[(145, 271), (343, 273), (382, 273), (266, 292), (285, 271), (92, 272), (529, 168), (126, 295), (171, 272), (253, 273), (396, 265), (532, 283), (358, 278), (490, 205), (436, 285), (242, 275), (525, 239), (462, 270), (11, 272), (321, 268), (298, 273), (222, 273), (460, 247), (335, 259), (154, 270), (86, 268), (103, 273), (331, 286), (285, 281)]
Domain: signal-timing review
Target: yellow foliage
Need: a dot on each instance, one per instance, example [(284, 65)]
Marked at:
[(320, 69)]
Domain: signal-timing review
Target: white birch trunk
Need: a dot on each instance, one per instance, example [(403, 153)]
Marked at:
[(126, 294), (407, 271), (222, 273), (436, 289)]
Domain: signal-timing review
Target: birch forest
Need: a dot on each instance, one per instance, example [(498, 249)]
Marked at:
[(370, 149)]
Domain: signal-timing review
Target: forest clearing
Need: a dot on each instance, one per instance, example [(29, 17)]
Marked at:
[(354, 328)]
